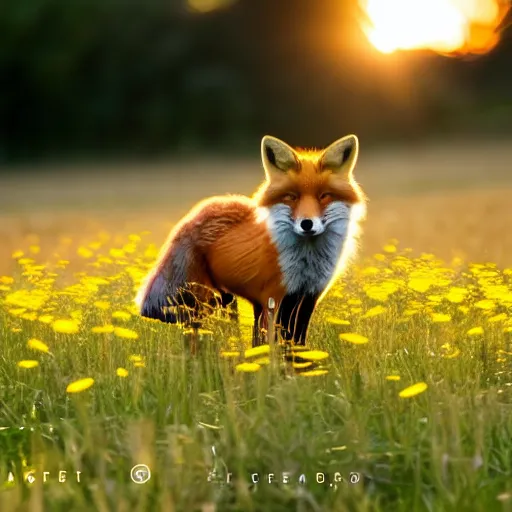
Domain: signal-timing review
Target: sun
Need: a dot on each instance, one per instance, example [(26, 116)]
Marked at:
[(443, 26)]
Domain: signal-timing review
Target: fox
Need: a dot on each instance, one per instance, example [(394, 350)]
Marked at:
[(288, 242)]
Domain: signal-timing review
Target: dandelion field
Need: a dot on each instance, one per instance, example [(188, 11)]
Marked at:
[(406, 380)]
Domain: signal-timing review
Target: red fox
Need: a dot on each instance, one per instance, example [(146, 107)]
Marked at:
[(287, 242)]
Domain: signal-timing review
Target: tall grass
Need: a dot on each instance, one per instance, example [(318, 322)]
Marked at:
[(393, 323)]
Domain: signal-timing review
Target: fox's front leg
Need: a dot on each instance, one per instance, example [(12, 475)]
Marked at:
[(293, 316), (257, 338)]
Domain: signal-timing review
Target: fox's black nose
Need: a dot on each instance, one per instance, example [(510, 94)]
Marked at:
[(306, 225)]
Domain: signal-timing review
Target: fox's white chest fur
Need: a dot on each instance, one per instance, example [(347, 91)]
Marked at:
[(308, 264)]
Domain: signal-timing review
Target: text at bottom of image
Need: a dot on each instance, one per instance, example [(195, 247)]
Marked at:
[(141, 474)]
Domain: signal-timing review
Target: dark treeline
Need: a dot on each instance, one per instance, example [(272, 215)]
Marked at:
[(97, 77)]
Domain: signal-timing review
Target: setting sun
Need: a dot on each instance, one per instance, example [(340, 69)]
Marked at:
[(444, 26)]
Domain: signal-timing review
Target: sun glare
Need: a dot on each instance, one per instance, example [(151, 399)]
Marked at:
[(444, 26), (205, 6)]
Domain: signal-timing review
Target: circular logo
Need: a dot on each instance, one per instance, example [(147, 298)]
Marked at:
[(140, 474)]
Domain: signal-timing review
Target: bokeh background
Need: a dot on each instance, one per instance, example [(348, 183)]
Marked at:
[(119, 116)]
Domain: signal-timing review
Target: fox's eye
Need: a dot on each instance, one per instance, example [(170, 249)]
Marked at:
[(290, 197), (326, 195)]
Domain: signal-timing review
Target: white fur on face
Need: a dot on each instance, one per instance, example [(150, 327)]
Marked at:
[(317, 229), (308, 263)]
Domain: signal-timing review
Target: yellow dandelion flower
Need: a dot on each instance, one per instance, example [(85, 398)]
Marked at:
[(382, 291), (16, 329), (354, 302), (139, 364), (128, 334), (313, 373), (420, 284), (497, 318), (102, 304), (314, 355), (389, 248), (413, 390), (36, 344), (117, 253), (441, 317), (257, 351), (370, 271), (337, 321), (475, 330), (463, 309), (298, 366), (17, 311), (79, 385), (100, 329), (32, 315), (65, 326), (380, 257), (507, 329), (17, 254), (230, 353), (198, 331), (28, 363), (377, 310), (6, 280), (151, 252), (456, 294), (84, 252), (46, 319), (129, 248), (135, 358), (354, 338), (247, 367), (338, 448), (393, 377), (485, 304), (121, 315), (121, 372)]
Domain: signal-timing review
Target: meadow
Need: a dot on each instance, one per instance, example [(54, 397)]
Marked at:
[(406, 380)]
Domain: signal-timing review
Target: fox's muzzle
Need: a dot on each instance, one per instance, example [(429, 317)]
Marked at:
[(309, 226)]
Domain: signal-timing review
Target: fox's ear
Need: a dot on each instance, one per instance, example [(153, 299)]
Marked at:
[(341, 156), (277, 156)]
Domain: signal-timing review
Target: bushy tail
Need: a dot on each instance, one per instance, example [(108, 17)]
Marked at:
[(165, 286), (180, 278)]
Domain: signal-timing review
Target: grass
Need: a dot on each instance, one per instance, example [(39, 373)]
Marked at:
[(396, 320), (393, 322)]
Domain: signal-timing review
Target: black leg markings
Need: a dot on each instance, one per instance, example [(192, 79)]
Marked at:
[(294, 315)]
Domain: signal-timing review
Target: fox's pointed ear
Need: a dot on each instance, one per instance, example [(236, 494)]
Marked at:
[(277, 156), (341, 156)]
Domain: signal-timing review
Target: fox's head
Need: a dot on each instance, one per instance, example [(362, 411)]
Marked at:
[(310, 192)]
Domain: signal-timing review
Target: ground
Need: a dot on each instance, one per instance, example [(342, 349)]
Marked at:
[(406, 380)]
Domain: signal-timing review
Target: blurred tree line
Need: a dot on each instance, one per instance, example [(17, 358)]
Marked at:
[(100, 77)]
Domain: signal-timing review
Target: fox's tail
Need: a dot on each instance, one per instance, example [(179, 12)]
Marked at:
[(179, 287), (181, 277), (166, 285)]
